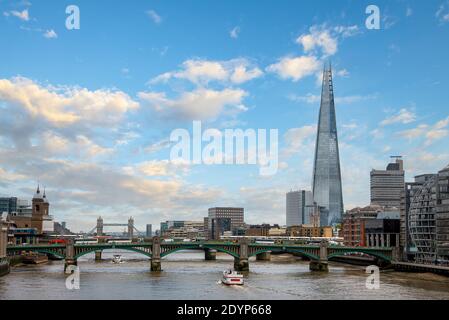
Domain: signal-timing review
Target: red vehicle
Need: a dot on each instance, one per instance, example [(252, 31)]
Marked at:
[(57, 241)]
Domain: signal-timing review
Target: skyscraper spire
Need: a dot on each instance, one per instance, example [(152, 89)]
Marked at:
[(327, 189)]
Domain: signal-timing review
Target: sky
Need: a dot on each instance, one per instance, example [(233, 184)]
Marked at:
[(88, 112)]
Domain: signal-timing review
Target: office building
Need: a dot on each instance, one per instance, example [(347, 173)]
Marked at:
[(353, 225), (236, 216), (387, 185), (407, 195), (298, 207), (383, 231), (442, 217), (327, 186), (149, 231)]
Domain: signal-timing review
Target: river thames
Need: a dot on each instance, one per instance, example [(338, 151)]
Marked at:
[(187, 276)]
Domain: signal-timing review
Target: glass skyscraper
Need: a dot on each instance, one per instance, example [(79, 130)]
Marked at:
[(327, 190)]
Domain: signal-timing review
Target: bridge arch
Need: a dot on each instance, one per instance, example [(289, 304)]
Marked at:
[(286, 250), (199, 247), (367, 252), (90, 250)]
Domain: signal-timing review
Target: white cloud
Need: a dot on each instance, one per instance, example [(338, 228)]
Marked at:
[(22, 15), (199, 104), (318, 38), (429, 133), (157, 19), (234, 33), (297, 138), (342, 73), (408, 12), (65, 105), (157, 146), (404, 116), (347, 31), (50, 34), (443, 12), (295, 68), (156, 168), (201, 72)]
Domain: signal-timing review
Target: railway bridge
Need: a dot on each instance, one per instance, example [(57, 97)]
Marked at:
[(241, 251)]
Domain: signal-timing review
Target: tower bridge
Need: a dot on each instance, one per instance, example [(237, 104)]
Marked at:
[(99, 228), (241, 251)]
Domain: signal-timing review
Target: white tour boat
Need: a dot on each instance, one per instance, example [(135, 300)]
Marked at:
[(232, 278), (117, 258)]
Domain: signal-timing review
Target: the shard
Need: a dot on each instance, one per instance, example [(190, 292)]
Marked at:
[(327, 190)]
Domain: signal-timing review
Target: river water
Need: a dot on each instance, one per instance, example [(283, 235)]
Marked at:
[(187, 276)]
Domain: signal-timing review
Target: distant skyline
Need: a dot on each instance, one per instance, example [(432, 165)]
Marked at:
[(88, 113)]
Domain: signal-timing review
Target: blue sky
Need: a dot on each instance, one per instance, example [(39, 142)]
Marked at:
[(88, 112)]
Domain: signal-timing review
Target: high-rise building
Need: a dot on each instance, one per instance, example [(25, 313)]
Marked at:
[(149, 230), (298, 207), (442, 216), (236, 216), (327, 189), (387, 185), (409, 191), (429, 220), (8, 205)]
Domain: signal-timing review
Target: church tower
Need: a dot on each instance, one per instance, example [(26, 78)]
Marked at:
[(40, 209)]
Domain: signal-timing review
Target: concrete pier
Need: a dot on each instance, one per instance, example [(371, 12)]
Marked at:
[(321, 264), (156, 255), (4, 261), (69, 257), (210, 254), (4, 266), (241, 264), (67, 264), (318, 266), (98, 255), (264, 256)]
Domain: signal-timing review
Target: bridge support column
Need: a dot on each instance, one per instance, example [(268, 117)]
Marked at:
[(98, 255), (210, 254), (69, 257), (264, 256), (321, 264), (156, 255), (241, 263), (4, 261)]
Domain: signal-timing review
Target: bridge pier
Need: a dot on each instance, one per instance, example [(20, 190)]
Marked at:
[(241, 263), (4, 261), (98, 255), (264, 256), (69, 257), (315, 265), (210, 254), (321, 264), (156, 255)]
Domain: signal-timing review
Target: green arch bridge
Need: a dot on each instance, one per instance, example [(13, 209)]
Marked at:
[(241, 251)]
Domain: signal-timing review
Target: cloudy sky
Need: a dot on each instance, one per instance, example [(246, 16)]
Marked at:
[(88, 113)]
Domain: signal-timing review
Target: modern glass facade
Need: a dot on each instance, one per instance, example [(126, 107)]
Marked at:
[(298, 204), (327, 189)]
